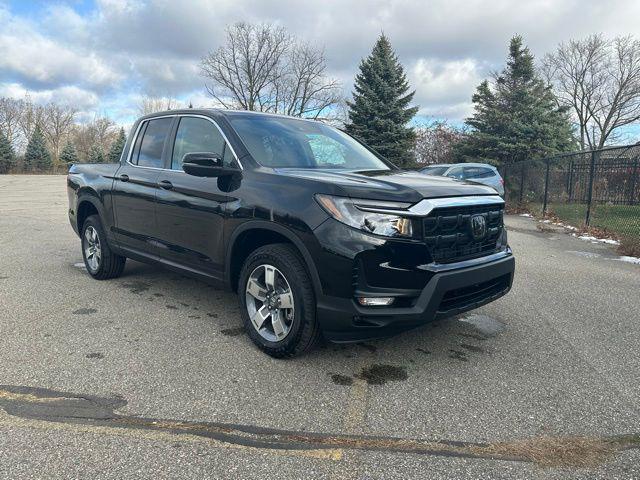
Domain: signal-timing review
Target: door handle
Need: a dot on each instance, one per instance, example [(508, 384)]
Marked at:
[(166, 184), (124, 178)]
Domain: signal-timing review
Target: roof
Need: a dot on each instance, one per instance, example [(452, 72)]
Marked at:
[(218, 111), (469, 164)]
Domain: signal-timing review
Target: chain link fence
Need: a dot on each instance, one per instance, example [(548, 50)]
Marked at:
[(597, 188)]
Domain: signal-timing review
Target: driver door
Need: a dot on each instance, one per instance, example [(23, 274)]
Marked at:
[(189, 209)]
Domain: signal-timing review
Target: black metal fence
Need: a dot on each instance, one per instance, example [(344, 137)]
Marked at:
[(597, 188)]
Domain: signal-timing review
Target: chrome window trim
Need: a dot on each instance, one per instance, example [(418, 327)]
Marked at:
[(179, 115), (426, 206)]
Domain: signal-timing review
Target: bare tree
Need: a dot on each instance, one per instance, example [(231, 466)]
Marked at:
[(58, 122), (435, 142), (150, 104), (100, 133), (10, 112), (304, 90), (31, 115), (599, 80), (264, 68)]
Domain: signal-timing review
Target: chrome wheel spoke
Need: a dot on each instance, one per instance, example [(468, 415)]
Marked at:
[(285, 300), (279, 327), (256, 291), (270, 277), (260, 316)]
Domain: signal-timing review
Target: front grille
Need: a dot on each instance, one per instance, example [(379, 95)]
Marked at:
[(448, 233)]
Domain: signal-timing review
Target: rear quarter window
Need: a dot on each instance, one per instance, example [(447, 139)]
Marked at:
[(152, 144)]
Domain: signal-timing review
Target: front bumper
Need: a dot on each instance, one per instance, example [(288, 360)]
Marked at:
[(447, 293)]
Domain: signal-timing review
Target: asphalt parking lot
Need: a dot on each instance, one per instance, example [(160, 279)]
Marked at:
[(151, 375)]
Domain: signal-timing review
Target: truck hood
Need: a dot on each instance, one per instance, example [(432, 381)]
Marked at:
[(391, 185)]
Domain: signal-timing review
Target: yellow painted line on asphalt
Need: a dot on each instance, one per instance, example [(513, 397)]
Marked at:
[(353, 423), (356, 407)]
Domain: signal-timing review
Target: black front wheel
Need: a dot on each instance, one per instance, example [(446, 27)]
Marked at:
[(278, 301), (99, 259)]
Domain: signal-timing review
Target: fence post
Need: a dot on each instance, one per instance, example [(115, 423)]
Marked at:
[(592, 167), (634, 181), (522, 173), (570, 186), (546, 189)]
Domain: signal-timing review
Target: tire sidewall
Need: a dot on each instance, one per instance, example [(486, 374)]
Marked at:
[(301, 311)]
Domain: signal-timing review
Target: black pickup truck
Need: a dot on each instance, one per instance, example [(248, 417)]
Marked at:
[(316, 233)]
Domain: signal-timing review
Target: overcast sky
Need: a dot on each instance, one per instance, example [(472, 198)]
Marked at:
[(103, 55)]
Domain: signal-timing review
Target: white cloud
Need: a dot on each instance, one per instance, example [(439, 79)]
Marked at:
[(66, 95), (38, 59), (443, 88), (127, 48)]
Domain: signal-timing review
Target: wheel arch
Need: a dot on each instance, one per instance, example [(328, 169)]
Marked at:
[(241, 244), (88, 204)]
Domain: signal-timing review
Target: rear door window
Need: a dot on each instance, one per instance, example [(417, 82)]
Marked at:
[(457, 172), (472, 173), (151, 147)]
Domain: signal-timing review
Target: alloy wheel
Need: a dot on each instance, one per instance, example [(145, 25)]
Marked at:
[(92, 249), (269, 302)]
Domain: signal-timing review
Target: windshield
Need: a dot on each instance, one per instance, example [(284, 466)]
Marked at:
[(434, 170), (288, 142)]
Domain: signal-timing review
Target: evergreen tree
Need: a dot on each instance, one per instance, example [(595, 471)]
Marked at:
[(380, 111), (516, 117), (37, 157), (69, 155), (95, 154), (7, 155), (116, 147)]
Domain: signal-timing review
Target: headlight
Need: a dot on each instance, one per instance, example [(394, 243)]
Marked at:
[(355, 214)]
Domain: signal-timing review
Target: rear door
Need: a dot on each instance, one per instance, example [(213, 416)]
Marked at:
[(136, 184), (190, 209)]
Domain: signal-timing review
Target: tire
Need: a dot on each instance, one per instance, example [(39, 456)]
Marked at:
[(303, 330), (101, 263)]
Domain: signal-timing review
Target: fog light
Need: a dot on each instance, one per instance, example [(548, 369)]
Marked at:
[(375, 301)]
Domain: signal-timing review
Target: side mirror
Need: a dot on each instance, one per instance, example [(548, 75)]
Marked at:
[(206, 164)]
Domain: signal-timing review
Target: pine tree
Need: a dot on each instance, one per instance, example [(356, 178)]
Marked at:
[(37, 157), (380, 112), (95, 154), (69, 155), (116, 147), (7, 155), (516, 117)]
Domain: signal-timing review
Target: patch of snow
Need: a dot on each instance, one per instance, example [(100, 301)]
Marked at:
[(528, 215), (589, 238), (610, 241), (80, 265), (634, 260), (545, 221), (584, 254)]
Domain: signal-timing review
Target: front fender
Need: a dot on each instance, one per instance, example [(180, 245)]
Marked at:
[(285, 232)]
